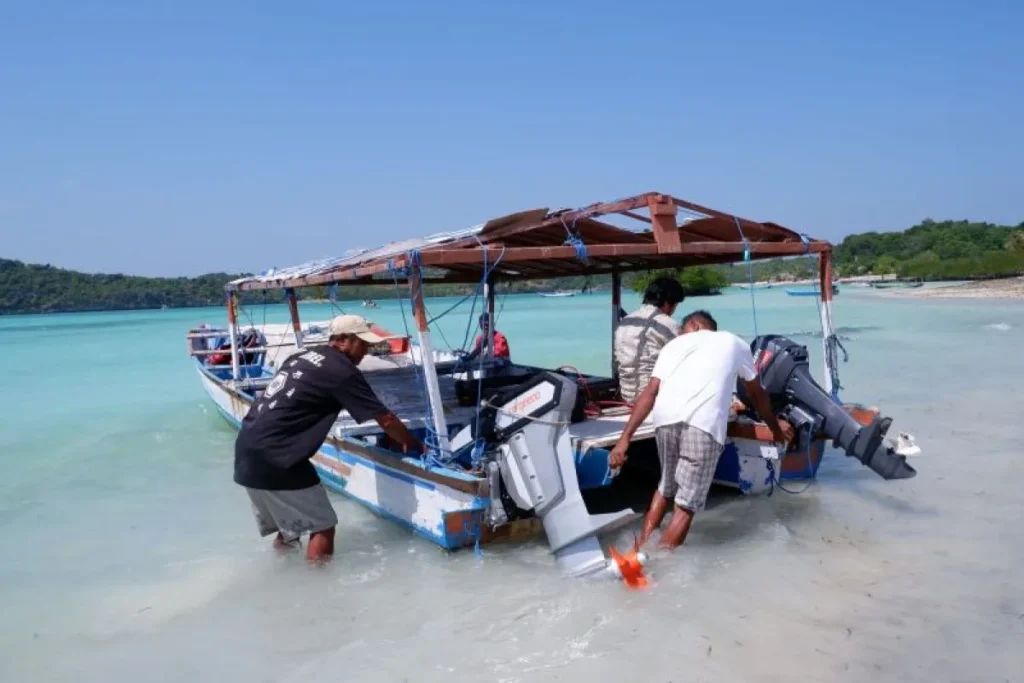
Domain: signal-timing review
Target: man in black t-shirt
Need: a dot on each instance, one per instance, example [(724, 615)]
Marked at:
[(286, 425)]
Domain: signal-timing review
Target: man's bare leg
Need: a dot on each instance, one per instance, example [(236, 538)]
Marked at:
[(677, 529), (652, 520), (321, 546)]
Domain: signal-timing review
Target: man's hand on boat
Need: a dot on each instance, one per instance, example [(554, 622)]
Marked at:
[(399, 433), (782, 433), (617, 457), (641, 409)]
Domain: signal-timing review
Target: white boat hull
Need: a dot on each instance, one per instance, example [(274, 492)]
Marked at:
[(387, 485)]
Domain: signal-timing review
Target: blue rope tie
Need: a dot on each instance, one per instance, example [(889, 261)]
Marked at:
[(432, 438), (474, 533), (573, 240)]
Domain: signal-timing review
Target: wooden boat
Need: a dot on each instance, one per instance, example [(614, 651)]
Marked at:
[(518, 449)]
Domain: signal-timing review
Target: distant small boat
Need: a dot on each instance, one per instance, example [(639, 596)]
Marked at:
[(756, 285), (562, 293), (369, 303), (897, 284), (812, 291)]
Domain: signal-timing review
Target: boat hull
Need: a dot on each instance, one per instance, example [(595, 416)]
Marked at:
[(449, 515), (451, 512)]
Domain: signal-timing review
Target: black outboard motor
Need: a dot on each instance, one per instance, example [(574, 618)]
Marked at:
[(784, 373)]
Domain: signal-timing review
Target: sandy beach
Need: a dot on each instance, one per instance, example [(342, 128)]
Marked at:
[(1008, 288)]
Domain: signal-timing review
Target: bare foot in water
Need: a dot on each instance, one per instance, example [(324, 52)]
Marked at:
[(282, 545)]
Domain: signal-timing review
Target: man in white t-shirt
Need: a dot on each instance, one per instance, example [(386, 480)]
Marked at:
[(690, 394)]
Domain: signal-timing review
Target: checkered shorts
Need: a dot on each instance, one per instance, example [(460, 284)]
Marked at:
[(688, 459)]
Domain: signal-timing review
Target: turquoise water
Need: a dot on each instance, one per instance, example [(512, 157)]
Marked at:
[(128, 554)]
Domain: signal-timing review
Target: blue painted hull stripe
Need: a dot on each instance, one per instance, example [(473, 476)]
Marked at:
[(337, 484), (353, 459)]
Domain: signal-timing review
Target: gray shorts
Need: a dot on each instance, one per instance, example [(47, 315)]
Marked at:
[(688, 458), (293, 513)]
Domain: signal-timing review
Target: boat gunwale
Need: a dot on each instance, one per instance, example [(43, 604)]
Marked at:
[(476, 486)]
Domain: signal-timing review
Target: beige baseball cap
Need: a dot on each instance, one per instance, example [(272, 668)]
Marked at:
[(356, 325)]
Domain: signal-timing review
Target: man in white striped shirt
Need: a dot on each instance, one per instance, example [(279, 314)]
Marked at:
[(642, 334)]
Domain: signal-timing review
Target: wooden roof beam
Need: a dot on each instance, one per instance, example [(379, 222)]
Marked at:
[(744, 222), (663, 224)]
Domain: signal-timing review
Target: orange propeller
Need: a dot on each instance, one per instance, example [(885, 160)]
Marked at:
[(630, 568)]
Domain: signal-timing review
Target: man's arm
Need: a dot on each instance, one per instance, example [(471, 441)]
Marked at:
[(399, 433), (356, 395), (641, 409), (763, 406)]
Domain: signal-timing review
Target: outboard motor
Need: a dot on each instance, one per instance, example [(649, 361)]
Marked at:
[(536, 465), (784, 373)]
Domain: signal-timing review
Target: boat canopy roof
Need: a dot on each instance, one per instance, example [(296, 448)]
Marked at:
[(643, 232)]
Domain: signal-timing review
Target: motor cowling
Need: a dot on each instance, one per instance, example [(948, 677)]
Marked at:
[(784, 371)]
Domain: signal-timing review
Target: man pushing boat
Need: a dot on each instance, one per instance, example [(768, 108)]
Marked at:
[(690, 391), (288, 423)]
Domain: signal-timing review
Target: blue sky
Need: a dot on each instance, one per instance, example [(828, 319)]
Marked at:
[(184, 137)]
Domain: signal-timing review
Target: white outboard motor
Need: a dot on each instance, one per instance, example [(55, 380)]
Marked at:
[(537, 466)]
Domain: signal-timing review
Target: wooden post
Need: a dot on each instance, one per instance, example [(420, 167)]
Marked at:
[(616, 306), (293, 310), (663, 224), (429, 371), (233, 331), (489, 295), (827, 328)]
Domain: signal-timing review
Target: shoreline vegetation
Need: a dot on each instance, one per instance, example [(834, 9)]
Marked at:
[(992, 255)]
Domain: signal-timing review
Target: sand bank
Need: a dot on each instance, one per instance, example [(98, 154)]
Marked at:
[(1008, 288)]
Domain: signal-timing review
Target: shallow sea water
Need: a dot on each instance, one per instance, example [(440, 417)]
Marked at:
[(128, 554)]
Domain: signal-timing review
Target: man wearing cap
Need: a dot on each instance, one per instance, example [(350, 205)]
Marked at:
[(286, 425)]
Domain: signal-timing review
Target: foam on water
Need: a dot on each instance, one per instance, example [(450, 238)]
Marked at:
[(129, 555)]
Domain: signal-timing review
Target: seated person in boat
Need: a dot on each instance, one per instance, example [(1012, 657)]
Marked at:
[(690, 393), (286, 426), (501, 349), (246, 340), (642, 334)]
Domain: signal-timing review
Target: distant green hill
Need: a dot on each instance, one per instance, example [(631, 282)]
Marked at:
[(930, 250), (947, 250), (29, 288)]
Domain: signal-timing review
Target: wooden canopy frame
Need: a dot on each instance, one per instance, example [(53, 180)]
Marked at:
[(541, 244)]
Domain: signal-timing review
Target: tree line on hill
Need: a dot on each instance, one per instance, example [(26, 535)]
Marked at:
[(931, 250)]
